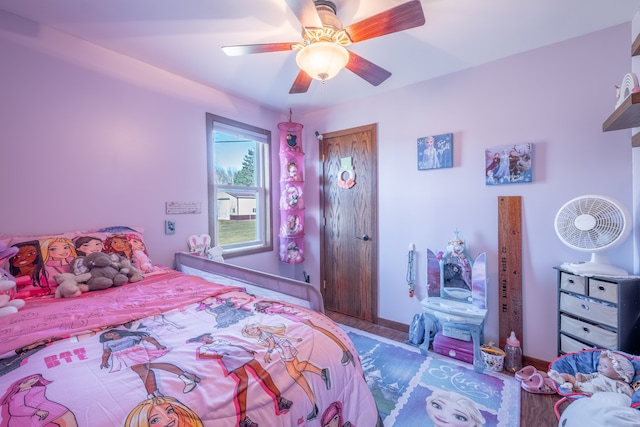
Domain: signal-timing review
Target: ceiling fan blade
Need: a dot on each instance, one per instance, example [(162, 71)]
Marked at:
[(366, 69), (257, 48), (305, 11), (301, 84), (402, 17)]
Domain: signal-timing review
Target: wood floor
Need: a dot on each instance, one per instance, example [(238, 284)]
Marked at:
[(536, 410)]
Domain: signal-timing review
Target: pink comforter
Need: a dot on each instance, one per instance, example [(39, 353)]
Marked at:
[(176, 350)]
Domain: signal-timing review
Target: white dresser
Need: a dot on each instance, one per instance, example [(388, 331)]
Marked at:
[(599, 312)]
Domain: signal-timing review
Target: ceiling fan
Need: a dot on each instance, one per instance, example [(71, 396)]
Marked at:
[(323, 34)]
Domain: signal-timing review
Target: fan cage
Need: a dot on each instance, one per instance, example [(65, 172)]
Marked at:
[(610, 223)]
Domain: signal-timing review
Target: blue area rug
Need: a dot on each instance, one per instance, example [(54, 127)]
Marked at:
[(415, 390)]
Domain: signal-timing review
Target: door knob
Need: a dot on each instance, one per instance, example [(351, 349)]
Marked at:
[(364, 237)]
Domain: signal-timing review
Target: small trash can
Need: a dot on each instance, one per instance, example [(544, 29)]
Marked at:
[(493, 357)]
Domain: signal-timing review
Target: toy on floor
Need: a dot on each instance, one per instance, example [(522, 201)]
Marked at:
[(8, 304), (614, 374), (588, 360)]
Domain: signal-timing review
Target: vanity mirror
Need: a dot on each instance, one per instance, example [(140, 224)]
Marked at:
[(455, 306)]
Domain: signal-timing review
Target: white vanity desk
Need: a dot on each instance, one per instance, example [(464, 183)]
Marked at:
[(459, 319), (456, 303)]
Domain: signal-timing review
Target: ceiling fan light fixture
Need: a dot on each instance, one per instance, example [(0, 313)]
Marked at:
[(322, 60)]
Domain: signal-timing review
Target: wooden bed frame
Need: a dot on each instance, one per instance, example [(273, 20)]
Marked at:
[(295, 288)]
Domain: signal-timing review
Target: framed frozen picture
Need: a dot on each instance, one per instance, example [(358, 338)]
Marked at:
[(509, 164), (435, 152)]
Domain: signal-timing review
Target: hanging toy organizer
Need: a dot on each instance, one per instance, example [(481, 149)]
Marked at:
[(291, 193)]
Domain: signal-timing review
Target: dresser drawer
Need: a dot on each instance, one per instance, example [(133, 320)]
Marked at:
[(587, 309), (606, 291), (572, 283), (586, 331), (603, 311), (569, 345)]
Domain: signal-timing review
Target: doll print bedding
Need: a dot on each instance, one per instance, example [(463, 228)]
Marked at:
[(177, 348), (40, 258)]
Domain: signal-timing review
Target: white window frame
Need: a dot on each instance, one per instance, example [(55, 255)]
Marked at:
[(262, 190)]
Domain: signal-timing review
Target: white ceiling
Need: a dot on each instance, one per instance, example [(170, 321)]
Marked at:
[(185, 37)]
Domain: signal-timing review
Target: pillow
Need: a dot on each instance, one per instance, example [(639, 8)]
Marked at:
[(41, 258)]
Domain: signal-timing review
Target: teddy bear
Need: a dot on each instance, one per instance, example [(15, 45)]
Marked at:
[(103, 273), (8, 304), (71, 285)]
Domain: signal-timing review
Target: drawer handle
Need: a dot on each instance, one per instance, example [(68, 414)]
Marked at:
[(586, 330), (571, 281), (584, 306), (601, 288)]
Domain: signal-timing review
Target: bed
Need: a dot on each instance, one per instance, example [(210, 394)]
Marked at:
[(178, 349)]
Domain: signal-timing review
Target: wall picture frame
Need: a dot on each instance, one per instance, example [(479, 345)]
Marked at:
[(435, 152), (509, 164)]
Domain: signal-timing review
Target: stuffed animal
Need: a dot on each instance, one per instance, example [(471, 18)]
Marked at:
[(606, 408), (125, 267), (142, 261), (8, 304), (215, 253), (103, 274), (70, 285)]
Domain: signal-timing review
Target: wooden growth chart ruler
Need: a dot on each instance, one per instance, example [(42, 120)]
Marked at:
[(509, 268)]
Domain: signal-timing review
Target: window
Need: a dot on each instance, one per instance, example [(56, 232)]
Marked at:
[(238, 165)]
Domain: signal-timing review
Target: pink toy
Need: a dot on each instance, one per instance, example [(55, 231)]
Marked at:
[(142, 262), (8, 305)]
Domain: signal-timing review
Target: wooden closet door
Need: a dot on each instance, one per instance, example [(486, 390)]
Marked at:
[(349, 228)]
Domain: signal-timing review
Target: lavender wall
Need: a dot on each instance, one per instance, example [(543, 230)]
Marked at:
[(91, 138), (556, 97)]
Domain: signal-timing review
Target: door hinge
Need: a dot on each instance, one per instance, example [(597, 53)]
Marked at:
[(322, 157), (324, 285), (324, 221)]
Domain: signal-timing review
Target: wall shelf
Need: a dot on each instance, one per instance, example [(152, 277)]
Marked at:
[(626, 116)]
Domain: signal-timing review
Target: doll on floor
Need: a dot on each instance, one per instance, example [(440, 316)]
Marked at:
[(615, 373)]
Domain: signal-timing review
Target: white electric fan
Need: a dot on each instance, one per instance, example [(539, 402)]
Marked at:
[(593, 224)]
